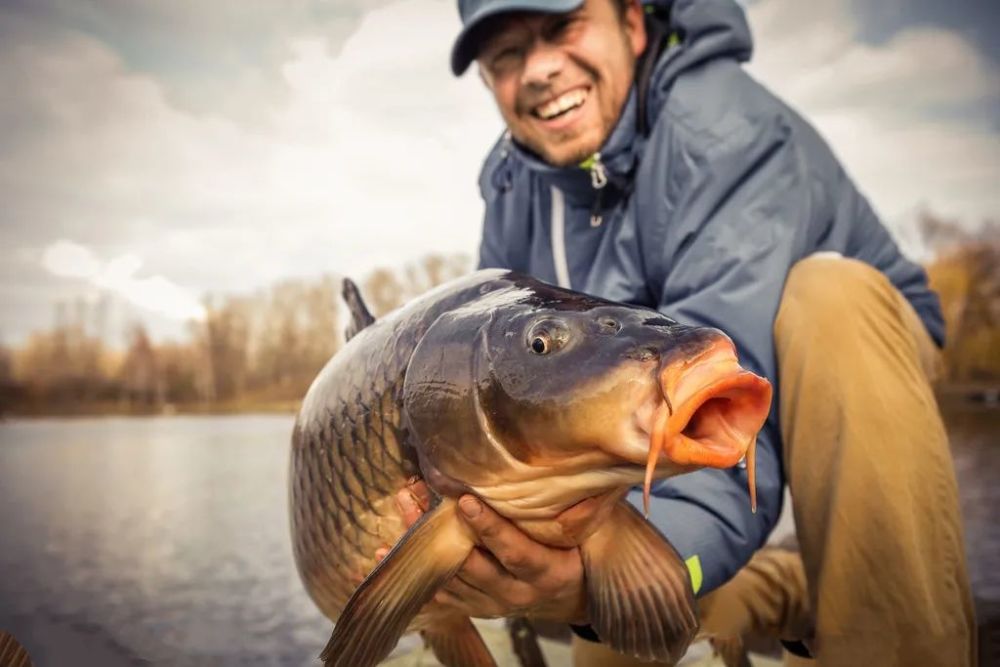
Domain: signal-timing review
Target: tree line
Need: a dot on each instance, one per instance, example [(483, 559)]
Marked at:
[(249, 352), (261, 351), (965, 272)]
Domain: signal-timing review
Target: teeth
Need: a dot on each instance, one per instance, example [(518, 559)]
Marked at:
[(564, 102)]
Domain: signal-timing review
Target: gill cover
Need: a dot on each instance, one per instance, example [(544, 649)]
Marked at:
[(448, 425)]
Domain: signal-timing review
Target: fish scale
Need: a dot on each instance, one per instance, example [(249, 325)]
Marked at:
[(360, 447)]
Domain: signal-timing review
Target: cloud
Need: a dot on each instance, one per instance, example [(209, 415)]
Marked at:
[(211, 58), (898, 76), (331, 137), (911, 118), (71, 260), (118, 276), (371, 158)]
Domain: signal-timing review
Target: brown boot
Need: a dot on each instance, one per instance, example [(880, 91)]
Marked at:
[(766, 602)]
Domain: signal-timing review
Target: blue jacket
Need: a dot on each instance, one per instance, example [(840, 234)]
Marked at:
[(698, 209)]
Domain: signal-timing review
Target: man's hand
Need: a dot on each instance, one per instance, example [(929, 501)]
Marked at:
[(509, 574)]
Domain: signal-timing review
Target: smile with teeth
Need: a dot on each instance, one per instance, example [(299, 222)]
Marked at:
[(560, 105)]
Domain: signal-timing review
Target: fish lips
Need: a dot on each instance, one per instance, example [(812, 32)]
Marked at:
[(716, 426), (711, 409), (720, 409)]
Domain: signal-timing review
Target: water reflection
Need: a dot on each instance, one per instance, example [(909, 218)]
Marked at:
[(159, 541), (975, 436), (165, 541)]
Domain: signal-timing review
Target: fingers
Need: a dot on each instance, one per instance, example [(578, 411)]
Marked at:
[(519, 554), (420, 491), (413, 500), (469, 600), (484, 589), (409, 507), (481, 570)]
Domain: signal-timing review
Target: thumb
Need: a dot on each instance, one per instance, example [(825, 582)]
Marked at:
[(519, 554), (483, 521), (472, 508)]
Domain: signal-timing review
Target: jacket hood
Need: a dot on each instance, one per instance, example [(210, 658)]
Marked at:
[(706, 30), (697, 31)]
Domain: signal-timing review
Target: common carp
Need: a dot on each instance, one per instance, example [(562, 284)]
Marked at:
[(539, 401)]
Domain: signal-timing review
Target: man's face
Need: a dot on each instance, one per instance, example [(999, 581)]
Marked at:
[(560, 80)]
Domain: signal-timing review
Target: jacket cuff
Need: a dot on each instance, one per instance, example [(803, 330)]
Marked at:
[(585, 632), (797, 647)]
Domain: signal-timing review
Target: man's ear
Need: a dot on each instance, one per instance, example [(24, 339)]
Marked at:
[(484, 76), (635, 27)]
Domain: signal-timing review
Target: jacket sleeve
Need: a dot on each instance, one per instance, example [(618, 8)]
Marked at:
[(739, 207), (491, 253)]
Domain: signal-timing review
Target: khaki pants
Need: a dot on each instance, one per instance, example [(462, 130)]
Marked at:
[(882, 576)]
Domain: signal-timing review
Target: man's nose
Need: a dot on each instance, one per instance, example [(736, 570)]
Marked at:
[(542, 63)]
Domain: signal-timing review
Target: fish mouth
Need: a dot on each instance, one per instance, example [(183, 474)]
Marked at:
[(711, 412)]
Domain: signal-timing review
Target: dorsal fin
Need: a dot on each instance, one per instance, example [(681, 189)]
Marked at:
[(360, 316)]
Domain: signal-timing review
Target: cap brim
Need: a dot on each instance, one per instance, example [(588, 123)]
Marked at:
[(465, 48)]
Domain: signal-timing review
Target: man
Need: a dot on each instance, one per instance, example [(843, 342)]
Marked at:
[(642, 164)]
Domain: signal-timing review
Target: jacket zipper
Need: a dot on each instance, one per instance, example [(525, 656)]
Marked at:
[(598, 179)]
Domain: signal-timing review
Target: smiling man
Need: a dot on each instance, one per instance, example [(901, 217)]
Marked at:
[(575, 87), (642, 164)]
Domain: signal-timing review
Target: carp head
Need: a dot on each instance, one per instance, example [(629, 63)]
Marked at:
[(536, 399)]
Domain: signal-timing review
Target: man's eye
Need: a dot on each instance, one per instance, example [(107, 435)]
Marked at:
[(504, 57), (561, 26)]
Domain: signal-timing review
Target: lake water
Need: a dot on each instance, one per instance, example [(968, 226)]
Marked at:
[(164, 541), (152, 541)]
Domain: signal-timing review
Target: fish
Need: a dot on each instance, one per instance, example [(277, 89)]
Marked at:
[(12, 653), (542, 402)]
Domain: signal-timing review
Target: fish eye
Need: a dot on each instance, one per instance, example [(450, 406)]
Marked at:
[(546, 336)]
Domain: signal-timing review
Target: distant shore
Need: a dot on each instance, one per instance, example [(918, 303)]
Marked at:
[(116, 409), (949, 396), (984, 393)]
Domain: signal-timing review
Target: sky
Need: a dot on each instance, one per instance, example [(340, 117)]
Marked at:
[(159, 151)]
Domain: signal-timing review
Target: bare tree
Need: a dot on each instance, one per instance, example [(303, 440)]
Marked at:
[(142, 382), (966, 275)]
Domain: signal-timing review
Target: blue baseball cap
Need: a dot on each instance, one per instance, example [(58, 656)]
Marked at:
[(475, 12)]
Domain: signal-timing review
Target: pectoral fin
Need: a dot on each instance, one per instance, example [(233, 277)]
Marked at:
[(406, 579), (12, 654), (639, 590), (457, 643)]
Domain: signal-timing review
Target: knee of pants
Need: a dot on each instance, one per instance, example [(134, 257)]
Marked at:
[(830, 294)]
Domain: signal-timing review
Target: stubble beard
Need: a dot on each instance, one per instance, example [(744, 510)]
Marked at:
[(558, 158)]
